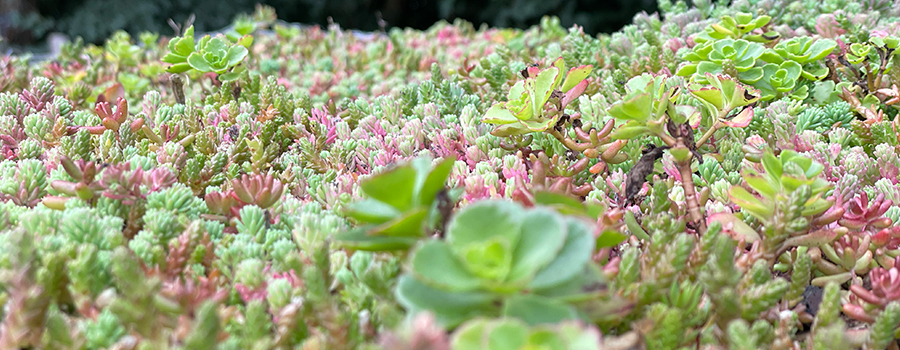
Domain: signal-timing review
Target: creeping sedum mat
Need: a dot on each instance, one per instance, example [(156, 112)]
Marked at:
[(717, 176)]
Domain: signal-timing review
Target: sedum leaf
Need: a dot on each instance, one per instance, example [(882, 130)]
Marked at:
[(748, 202), (575, 76), (409, 224), (480, 221), (731, 223), (636, 108), (394, 187), (450, 309), (235, 55), (570, 260), (542, 236), (436, 264), (542, 88), (197, 62), (534, 309), (372, 211), (430, 181), (497, 114)]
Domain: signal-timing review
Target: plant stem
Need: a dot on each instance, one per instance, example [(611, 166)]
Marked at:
[(690, 193), (569, 143), (713, 129), (669, 141), (708, 134)]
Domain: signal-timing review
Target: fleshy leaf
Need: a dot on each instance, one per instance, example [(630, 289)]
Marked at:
[(510, 130), (627, 131), (497, 114), (543, 87), (534, 310), (360, 239), (748, 202), (687, 70), (563, 203), (820, 49), (197, 61), (516, 91), (235, 55), (772, 165), (710, 95), (471, 335), (507, 334), (231, 76), (542, 236), (574, 93), (570, 259), (610, 238), (429, 185), (637, 108), (575, 77), (436, 264), (731, 223), (762, 185), (540, 125), (560, 65), (394, 187), (371, 210), (483, 220), (179, 68), (450, 309), (742, 119), (409, 224)]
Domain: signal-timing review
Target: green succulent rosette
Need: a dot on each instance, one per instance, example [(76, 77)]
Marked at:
[(500, 259)]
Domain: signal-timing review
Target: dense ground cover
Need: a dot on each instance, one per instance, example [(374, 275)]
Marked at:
[(722, 176)]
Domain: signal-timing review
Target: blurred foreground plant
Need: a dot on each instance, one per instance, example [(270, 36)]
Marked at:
[(404, 205), (502, 259)]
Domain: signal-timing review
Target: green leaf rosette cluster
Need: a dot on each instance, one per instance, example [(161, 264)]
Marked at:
[(400, 207), (526, 109), (209, 55), (500, 259), (783, 175)]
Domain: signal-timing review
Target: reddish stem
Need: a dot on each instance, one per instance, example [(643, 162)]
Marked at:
[(690, 194)]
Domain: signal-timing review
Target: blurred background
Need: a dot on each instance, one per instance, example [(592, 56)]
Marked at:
[(28, 22)]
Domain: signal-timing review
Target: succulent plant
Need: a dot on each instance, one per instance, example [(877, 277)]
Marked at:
[(789, 186), (404, 205), (501, 259), (749, 200), (804, 51), (515, 334), (782, 80), (740, 26), (209, 55), (734, 57), (526, 109), (882, 293)]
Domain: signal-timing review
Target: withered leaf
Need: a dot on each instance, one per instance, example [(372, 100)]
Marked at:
[(638, 174)]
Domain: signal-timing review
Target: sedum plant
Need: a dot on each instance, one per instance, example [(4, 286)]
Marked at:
[(514, 334), (734, 57), (208, 55), (319, 205), (653, 106), (782, 80), (740, 26), (791, 195), (502, 259), (404, 205), (527, 110), (806, 51)]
